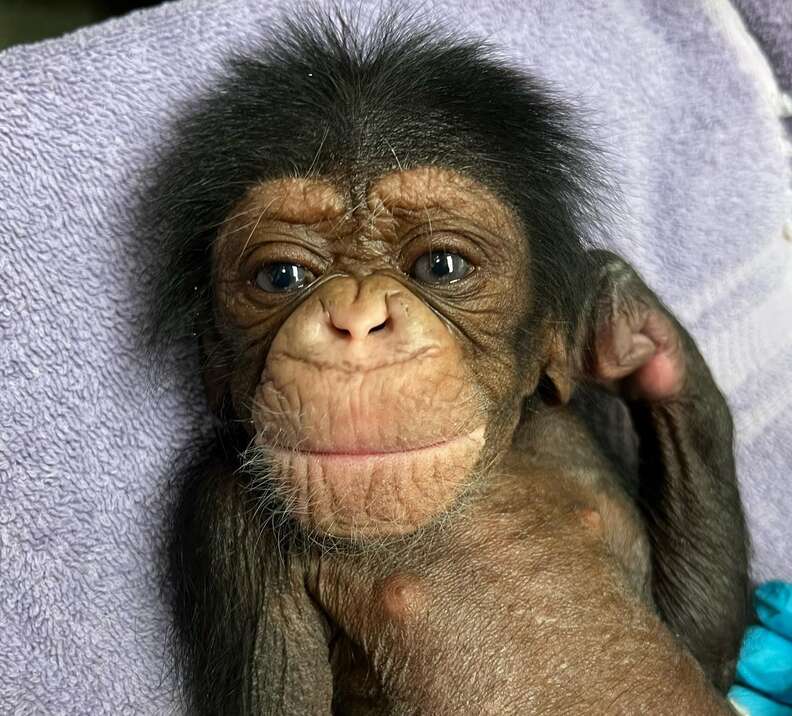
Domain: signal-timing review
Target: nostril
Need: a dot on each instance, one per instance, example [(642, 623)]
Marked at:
[(356, 324)]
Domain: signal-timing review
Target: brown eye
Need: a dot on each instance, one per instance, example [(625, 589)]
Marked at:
[(282, 277), (440, 267)]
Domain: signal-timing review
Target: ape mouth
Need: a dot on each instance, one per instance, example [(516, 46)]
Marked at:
[(365, 492), (363, 453)]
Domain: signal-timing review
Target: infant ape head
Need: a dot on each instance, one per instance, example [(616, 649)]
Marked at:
[(378, 239)]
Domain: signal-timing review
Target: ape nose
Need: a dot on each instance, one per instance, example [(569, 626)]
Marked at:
[(357, 324), (360, 318)]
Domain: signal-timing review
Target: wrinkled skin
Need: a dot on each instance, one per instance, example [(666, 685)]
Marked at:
[(375, 406), (486, 558)]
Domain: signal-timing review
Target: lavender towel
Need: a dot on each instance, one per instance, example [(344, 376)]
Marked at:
[(683, 100)]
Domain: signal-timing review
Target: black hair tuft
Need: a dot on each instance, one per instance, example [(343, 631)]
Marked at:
[(322, 96)]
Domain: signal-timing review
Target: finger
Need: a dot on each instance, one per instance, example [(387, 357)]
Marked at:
[(765, 663), (750, 703), (773, 606)]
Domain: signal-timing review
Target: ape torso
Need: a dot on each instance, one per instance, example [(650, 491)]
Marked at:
[(532, 598)]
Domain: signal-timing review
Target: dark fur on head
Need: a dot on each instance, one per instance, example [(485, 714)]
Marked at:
[(323, 98)]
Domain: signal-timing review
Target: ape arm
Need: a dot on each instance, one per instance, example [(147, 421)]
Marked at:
[(691, 505), (254, 641), (688, 490)]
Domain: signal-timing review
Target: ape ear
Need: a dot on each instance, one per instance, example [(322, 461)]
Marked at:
[(557, 381)]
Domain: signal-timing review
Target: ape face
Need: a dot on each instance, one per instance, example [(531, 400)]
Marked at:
[(371, 341), (391, 252)]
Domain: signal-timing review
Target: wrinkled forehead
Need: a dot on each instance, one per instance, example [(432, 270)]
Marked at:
[(312, 200)]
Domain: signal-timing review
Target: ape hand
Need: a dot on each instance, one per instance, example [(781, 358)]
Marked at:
[(636, 348)]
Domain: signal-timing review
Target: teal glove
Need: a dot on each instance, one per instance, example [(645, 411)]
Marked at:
[(752, 703), (765, 663)]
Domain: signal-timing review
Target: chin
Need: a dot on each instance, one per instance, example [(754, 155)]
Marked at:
[(367, 494)]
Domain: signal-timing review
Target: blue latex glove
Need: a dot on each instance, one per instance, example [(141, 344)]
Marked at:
[(764, 669), (752, 703)]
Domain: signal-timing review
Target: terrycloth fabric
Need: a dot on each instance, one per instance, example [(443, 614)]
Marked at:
[(680, 97), (770, 21)]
